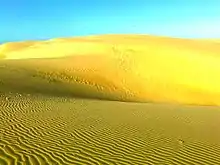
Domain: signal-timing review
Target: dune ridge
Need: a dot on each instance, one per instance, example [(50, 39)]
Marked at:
[(116, 67)]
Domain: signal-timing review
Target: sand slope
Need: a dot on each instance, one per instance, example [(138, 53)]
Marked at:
[(117, 67)]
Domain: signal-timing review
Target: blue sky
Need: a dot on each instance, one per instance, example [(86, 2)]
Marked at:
[(43, 19)]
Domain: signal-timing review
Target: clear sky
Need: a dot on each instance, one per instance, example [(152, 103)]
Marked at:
[(43, 19)]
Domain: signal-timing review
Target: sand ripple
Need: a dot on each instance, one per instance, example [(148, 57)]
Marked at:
[(51, 130)]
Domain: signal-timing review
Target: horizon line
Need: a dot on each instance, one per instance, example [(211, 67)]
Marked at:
[(104, 34)]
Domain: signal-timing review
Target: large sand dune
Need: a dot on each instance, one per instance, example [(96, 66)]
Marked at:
[(110, 100), (116, 67)]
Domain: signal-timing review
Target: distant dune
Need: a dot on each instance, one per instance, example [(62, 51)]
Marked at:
[(116, 67), (211, 40)]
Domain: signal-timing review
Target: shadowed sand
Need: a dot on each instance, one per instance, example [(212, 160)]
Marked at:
[(75, 101)]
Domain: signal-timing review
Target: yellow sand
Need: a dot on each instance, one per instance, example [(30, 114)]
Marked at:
[(128, 68), (74, 101), (40, 129)]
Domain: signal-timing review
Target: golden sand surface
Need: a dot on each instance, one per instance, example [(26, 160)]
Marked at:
[(110, 99), (38, 129), (117, 67)]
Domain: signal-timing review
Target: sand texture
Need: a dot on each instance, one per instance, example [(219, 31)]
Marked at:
[(110, 100)]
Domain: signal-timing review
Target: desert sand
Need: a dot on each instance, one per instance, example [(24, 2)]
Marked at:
[(110, 99)]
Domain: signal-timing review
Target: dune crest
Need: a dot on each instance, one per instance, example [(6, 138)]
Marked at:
[(117, 67)]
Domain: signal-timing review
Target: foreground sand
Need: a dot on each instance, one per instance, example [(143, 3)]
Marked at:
[(59, 130), (110, 99)]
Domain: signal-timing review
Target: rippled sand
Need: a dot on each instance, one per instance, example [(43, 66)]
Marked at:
[(60, 130), (110, 99)]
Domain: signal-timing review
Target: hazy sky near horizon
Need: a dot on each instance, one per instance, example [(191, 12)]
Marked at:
[(43, 19)]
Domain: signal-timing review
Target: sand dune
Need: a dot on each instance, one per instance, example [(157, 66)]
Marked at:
[(127, 68), (76, 101)]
